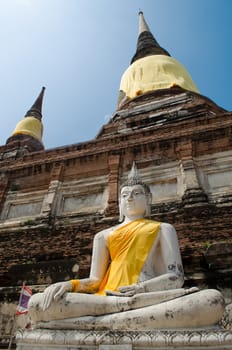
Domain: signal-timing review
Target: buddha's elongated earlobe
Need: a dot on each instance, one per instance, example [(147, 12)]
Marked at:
[(148, 208), (121, 215)]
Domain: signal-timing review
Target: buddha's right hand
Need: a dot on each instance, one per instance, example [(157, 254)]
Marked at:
[(54, 292)]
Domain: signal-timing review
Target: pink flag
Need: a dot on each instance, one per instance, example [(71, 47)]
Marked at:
[(23, 300)]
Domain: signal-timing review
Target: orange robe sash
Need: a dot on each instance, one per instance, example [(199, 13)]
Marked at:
[(129, 246)]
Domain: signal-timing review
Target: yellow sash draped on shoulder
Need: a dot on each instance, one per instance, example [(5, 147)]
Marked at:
[(129, 246)]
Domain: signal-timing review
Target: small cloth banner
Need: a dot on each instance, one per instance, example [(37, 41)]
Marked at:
[(25, 295)]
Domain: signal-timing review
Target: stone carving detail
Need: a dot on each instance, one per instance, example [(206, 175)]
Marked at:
[(210, 338), (226, 321)]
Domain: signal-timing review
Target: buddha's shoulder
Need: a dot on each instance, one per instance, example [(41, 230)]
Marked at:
[(105, 233), (167, 228), (164, 226)]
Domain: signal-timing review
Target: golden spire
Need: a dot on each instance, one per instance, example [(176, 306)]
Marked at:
[(31, 124), (152, 68)]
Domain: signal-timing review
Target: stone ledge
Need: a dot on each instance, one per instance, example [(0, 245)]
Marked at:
[(37, 339)]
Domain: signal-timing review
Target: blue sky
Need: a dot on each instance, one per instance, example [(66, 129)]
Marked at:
[(79, 50)]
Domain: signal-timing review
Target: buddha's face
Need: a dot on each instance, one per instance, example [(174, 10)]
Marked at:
[(133, 201)]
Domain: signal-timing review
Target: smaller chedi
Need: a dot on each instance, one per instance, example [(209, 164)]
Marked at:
[(136, 278), (27, 135)]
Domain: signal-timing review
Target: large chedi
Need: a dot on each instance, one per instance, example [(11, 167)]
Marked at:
[(152, 68)]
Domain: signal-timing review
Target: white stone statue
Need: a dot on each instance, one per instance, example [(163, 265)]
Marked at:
[(135, 280)]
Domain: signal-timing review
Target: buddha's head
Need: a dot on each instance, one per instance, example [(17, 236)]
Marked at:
[(135, 197)]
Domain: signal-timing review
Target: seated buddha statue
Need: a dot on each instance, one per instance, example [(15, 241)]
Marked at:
[(136, 278)]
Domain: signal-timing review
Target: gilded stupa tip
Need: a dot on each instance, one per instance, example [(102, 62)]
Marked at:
[(152, 68)]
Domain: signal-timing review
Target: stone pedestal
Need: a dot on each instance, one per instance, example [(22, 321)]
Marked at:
[(38, 339)]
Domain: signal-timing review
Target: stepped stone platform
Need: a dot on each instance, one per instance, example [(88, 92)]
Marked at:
[(211, 338)]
